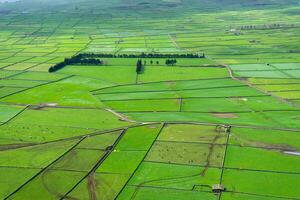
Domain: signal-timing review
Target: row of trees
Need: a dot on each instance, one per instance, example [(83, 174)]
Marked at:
[(139, 66), (171, 62), (77, 59), (142, 55)]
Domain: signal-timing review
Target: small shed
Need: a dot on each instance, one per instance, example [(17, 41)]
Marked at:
[(218, 188)]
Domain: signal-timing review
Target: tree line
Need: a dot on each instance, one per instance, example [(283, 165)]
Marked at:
[(139, 66), (77, 59), (142, 55)]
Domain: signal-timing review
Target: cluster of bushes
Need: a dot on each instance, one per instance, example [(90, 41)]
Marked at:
[(78, 59), (139, 66), (171, 62), (143, 55)]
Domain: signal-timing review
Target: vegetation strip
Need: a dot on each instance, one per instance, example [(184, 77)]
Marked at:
[(45, 168), (96, 165)]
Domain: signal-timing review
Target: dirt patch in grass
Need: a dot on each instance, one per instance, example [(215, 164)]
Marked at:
[(224, 115), (91, 185)]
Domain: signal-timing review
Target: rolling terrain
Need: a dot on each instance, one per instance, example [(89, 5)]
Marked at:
[(226, 113)]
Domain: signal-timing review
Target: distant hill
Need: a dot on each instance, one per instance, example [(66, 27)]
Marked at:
[(131, 7)]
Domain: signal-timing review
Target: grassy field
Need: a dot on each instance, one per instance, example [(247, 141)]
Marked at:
[(167, 132)]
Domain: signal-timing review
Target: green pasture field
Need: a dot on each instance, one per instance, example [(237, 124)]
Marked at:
[(187, 153), (261, 159), (286, 119), (45, 184), (69, 92), (8, 73), (36, 156), (159, 175), (73, 117), (19, 132), (19, 83), (277, 139), (149, 193), (145, 105), (39, 76), (7, 112), (246, 104), (172, 85), (184, 62), (193, 133), (7, 91), (12, 178), (150, 74), (110, 74), (279, 88), (264, 183), (266, 81), (170, 132), (99, 142), (104, 185), (288, 94)]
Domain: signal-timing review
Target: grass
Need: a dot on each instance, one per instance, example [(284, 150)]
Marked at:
[(193, 133), (264, 138), (186, 153), (7, 112), (144, 105), (261, 159), (76, 118), (178, 73), (72, 101), (139, 138), (111, 74), (147, 193), (38, 156), (173, 176), (264, 183), (104, 186), (12, 178)]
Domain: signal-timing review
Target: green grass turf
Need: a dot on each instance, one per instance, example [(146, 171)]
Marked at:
[(178, 73), (8, 73), (39, 76), (172, 85), (139, 138), (288, 94), (16, 133), (265, 138), (145, 105), (88, 159), (101, 186), (237, 196), (174, 176), (70, 92), (50, 185), (19, 83), (9, 111), (284, 87), (261, 159), (101, 141), (129, 159), (72, 117), (111, 74), (38, 156), (12, 178), (187, 153), (145, 193), (193, 133), (264, 183), (7, 91), (267, 81), (287, 119)]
